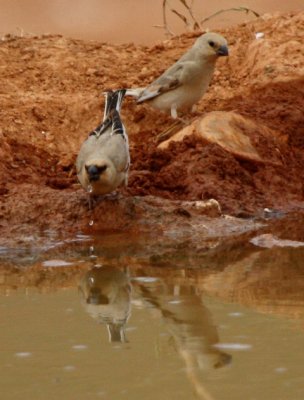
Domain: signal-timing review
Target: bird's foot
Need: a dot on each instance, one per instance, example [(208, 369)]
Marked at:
[(113, 196), (185, 121), (94, 200)]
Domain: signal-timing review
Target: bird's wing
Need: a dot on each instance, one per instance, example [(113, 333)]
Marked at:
[(117, 149), (171, 79), (168, 81)]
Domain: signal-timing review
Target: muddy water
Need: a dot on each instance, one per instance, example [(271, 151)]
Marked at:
[(53, 348), (120, 21), (115, 318)]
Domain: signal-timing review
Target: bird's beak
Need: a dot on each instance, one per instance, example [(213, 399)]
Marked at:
[(222, 51), (94, 172)]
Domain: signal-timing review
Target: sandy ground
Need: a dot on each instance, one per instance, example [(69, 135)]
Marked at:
[(51, 98)]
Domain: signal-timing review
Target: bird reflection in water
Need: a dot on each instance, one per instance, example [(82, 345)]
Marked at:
[(190, 324), (106, 294)]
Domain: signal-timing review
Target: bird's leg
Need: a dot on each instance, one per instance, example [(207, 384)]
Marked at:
[(94, 200), (174, 111), (179, 123), (90, 201), (194, 108), (196, 113), (175, 116)]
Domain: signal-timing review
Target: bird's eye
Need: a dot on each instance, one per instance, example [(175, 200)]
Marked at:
[(211, 43)]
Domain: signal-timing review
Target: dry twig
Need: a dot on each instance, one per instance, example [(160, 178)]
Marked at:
[(196, 24), (242, 9), (165, 25), (193, 23)]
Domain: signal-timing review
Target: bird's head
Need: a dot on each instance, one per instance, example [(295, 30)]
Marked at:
[(212, 45), (95, 170), (99, 175)]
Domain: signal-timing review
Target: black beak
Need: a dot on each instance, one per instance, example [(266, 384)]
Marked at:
[(95, 171), (222, 51)]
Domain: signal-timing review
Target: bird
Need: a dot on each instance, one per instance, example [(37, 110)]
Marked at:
[(106, 295), (185, 82), (103, 161)]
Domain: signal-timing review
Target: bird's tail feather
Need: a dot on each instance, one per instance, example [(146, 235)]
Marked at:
[(134, 92), (111, 113), (113, 101)]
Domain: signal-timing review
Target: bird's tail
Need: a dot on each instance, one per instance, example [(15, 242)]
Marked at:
[(134, 92), (112, 113), (113, 101)]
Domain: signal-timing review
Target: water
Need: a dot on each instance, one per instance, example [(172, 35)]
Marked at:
[(141, 320)]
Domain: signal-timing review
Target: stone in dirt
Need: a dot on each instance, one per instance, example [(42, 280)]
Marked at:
[(229, 130)]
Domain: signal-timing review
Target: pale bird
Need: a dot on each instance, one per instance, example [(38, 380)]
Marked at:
[(103, 161), (106, 294), (185, 82)]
